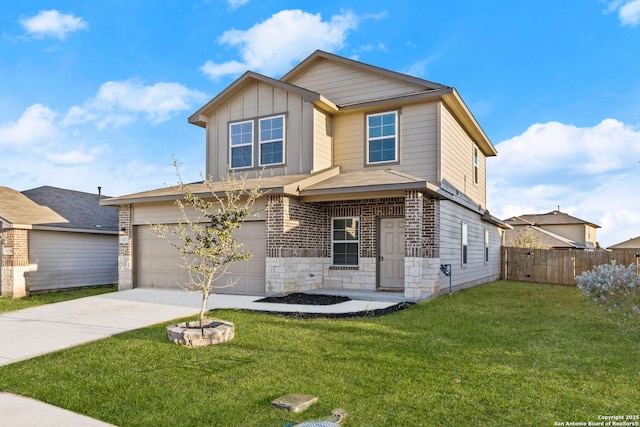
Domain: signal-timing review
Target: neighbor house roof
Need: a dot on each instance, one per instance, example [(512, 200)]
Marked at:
[(627, 244), (550, 218), (81, 210), (19, 211)]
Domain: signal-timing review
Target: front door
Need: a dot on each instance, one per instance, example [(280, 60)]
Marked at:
[(391, 253)]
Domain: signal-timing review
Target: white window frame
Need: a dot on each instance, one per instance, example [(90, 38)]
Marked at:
[(476, 165), (395, 136), (261, 142), (464, 245), (486, 246), (356, 241), (231, 146)]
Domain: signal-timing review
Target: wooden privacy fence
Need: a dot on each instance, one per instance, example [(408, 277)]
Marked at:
[(559, 266)]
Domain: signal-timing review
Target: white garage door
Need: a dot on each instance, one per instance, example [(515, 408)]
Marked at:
[(156, 262)]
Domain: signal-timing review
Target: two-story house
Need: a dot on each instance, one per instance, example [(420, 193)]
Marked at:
[(373, 179)]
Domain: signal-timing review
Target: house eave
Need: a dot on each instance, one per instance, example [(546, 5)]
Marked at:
[(73, 230), (396, 100), (455, 103)]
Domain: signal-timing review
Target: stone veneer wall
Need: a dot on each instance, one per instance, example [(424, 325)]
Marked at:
[(16, 264), (125, 247)]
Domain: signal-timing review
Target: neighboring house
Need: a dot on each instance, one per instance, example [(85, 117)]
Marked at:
[(555, 230), (627, 244), (53, 239), (373, 179)]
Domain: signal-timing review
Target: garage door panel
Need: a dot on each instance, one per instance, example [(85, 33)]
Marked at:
[(157, 262)]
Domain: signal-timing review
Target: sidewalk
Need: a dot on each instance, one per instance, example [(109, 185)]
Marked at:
[(35, 331)]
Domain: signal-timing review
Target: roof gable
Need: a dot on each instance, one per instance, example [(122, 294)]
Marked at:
[(199, 117), (18, 210), (627, 244), (346, 81)]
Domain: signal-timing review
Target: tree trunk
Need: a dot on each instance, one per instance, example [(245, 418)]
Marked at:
[(203, 309)]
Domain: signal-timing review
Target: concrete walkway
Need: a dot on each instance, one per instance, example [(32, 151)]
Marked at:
[(31, 332)]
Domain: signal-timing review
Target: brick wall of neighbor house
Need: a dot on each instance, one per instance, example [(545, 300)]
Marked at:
[(125, 247), (14, 265), (299, 244)]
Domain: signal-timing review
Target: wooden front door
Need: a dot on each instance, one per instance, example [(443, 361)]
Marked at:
[(391, 253)]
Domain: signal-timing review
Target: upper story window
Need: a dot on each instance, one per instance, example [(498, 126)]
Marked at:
[(272, 141), (267, 134), (241, 144), (476, 172), (382, 137)]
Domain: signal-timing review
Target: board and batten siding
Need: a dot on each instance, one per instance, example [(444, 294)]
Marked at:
[(67, 260), (457, 159), (476, 271), (344, 85), (260, 100), (418, 141)]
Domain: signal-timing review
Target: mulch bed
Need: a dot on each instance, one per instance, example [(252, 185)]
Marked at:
[(311, 299)]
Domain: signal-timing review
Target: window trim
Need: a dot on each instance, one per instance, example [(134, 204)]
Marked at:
[(231, 146), (396, 136), (333, 241), (486, 246), (464, 245), (476, 165), (261, 142)]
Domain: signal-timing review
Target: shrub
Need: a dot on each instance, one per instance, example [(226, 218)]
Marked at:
[(613, 286)]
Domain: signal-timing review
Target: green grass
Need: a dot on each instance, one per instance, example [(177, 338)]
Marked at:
[(8, 304), (502, 354)]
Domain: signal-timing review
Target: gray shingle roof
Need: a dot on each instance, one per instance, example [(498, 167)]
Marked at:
[(81, 210)]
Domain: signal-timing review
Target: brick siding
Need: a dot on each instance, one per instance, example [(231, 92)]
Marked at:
[(297, 229)]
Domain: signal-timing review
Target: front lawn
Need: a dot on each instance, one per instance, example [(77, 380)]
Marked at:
[(8, 304), (502, 354)]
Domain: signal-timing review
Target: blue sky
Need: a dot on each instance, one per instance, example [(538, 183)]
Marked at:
[(98, 93)]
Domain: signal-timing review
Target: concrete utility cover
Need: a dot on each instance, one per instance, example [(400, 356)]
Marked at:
[(294, 402)]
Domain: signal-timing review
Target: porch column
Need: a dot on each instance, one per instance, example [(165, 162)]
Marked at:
[(125, 247), (15, 263), (413, 261)]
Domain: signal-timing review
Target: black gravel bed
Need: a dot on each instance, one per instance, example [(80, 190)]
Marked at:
[(311, 299), (306, 299)]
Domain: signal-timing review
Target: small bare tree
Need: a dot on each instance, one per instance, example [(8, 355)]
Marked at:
[(204, 238), (526, 238)]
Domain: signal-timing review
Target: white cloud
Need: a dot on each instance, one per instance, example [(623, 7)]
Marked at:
[(555, 147), (35, 125), (120, 102), (592, 173), (234, 4), (51, 23), (629, 13), (272, 46), (628, 10), (75, 157)]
